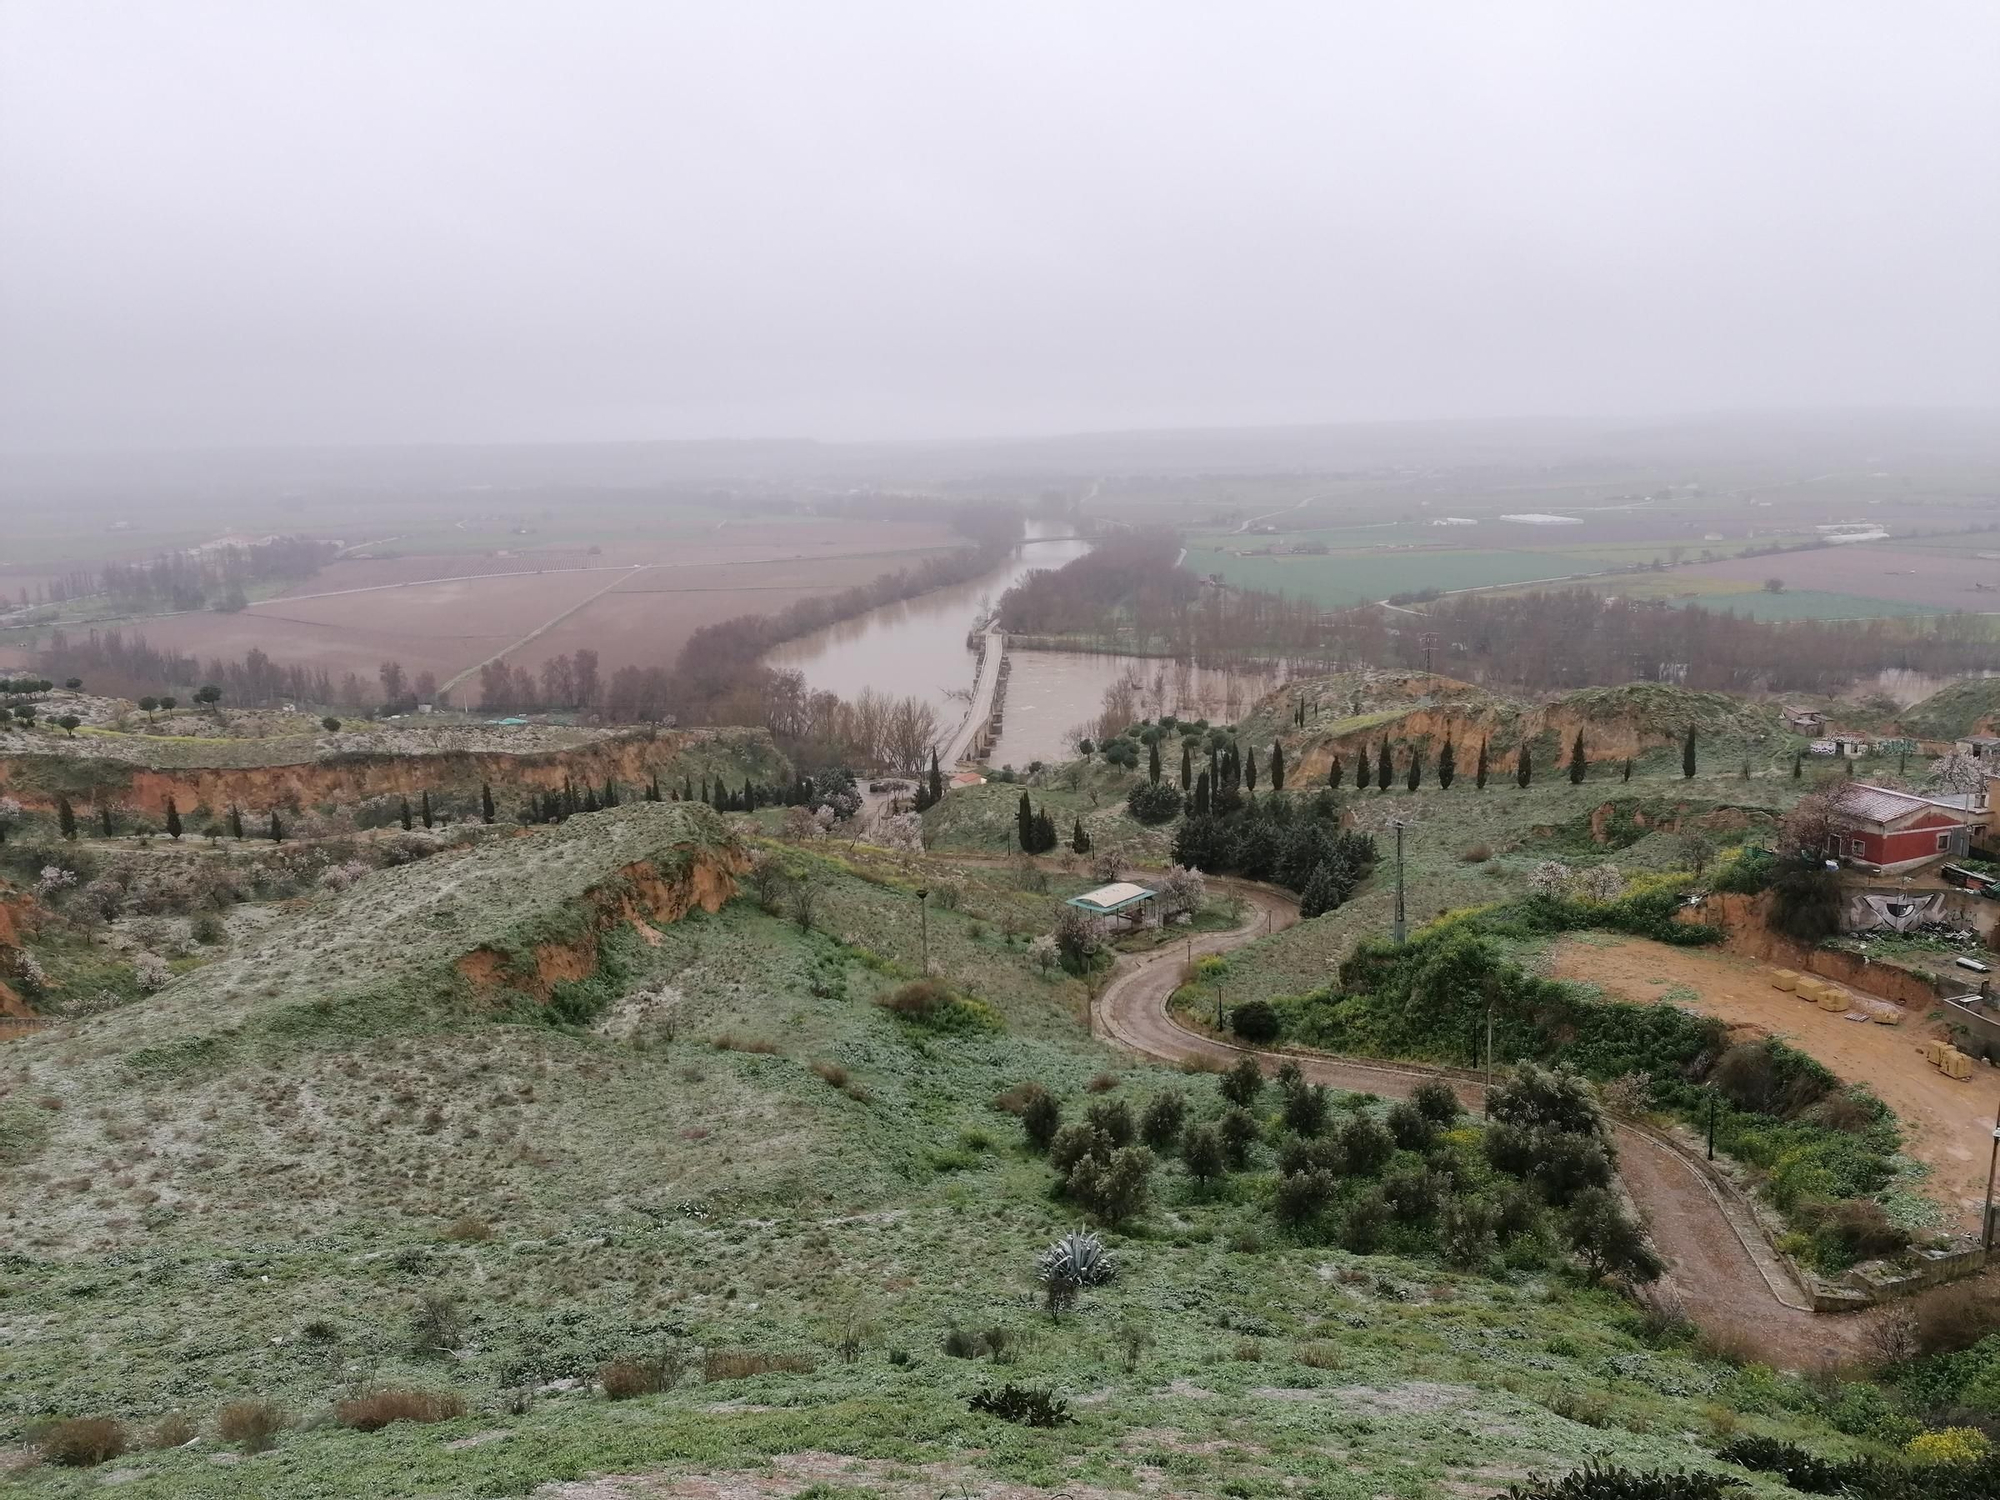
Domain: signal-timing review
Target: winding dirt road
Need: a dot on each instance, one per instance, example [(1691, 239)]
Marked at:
[(1727, 1277)]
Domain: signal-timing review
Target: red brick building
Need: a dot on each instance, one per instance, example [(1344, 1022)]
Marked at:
[(1889, 832)]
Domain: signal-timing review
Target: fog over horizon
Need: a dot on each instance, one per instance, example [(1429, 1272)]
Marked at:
[(248, 225)]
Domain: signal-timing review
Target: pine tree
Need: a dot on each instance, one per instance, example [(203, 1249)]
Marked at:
[(1322, 892), (65, 817), (653, 788), (1385, 771), (1576, 761), (1079, 841), (1277, 767), (1187, 765), (1479, 775), (1045, 832), (1447, 766), (749, 796), (937, 779), (1524, 772), (173, 820), (1201, 796), (405, 814), (1628, 768), (277, 830), (704, 789), (486, 802), (235, 821), (1799, 764), (1687, 754), (426, 814), (590, 798), (1024, 825), (1153, 762), (1250, 770), (1333, 773), (1415, 777)]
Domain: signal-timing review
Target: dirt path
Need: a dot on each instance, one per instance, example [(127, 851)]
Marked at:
[(1946, 1124), (1726, 1287)]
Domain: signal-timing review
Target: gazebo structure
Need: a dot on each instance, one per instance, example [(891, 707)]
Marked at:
[(1121, 901)]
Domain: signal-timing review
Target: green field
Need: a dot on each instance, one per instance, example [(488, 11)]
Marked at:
[(1348, 578)]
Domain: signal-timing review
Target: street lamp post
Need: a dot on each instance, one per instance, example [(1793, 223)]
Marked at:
[(924, 925), (1711, 1123), (1489, 1058), (1399, 824)]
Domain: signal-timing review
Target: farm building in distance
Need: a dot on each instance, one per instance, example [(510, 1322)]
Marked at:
[(1891, 832)]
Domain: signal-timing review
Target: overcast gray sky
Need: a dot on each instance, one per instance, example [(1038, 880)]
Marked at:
[(476, 220)]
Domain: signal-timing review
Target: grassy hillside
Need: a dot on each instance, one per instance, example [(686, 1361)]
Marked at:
[(1962, 708), (335, 1162)]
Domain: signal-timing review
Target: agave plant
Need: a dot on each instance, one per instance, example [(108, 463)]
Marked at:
[(1075, 1261)]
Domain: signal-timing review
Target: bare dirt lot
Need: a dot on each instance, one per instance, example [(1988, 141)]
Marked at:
[(1875, 570), (1946, 1125)]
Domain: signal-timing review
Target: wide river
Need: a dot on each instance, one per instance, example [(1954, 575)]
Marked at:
[(919, 647)]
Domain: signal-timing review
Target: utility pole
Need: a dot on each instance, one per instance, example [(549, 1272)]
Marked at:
[(1489, 1058), (1401, 925), (1711, 1125), (1986, 1227), (924, 925), (1429, 641)]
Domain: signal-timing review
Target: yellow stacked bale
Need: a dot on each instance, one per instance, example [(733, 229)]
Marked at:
[(1957, 1065), (1809, 988), (1887, 1015), (1934, 1051), (1784, 979), (1833, 999)]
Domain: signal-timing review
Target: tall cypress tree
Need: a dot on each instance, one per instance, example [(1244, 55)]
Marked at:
[(1576, 761), (1277, 767), (1334, 772), (1153, 762), (1524, 771), (1687, 754), (1045, 831), (173, 820), (1479, 775), (1187, 765), (104, 819), (1798, 764), (486, 802), (653, 788), (1250, 769), (1447, 765), (1079, 841), (1628, 768), (1416, 773), (235, 821), (937, 779), (1201, 796), (277, 829), (1024, 825), (426, 796), (404, 814), (65, 817), (1385, 771)]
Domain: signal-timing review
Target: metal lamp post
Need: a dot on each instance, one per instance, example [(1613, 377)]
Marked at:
[(924, 925)]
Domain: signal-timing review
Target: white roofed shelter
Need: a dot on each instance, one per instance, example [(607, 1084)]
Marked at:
[(1120, 901)]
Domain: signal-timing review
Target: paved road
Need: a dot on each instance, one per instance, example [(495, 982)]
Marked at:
[(1710, 1263)]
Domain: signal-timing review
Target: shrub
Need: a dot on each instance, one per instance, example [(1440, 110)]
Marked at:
[(1365, 1146), (832, 1074), (1114, 1118), (175, 1430), (81, 1442), (741, 1364), (1803, 1471), (918, 1000), (1467, 1231), (1857, 1229), (1030, 1408), (1255, 1021), (1072, 1264), (1041, 1117), (250, 1423), (623, 1379), (373, 1410), (1154, 802), (1477, 854), (1238, 1128), (1365, 1222), (435, 1325), (1306, 1108), (1114, 1187), (1413, 1196), (1203, 1153), (1608, 1482), (1610, 1242), (1243, 1082), (1436, 1101), (1411, 1127), (729, 1041), (1160, 1126), (466, 1229), (1952, 1445), (1102, 1083), (1956, 1317), (1301, 1197)]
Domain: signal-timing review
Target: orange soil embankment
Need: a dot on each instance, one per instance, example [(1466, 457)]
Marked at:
[(1746, 935), (257, 789), (1946, 1124), (640, 895), (18, 913)]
